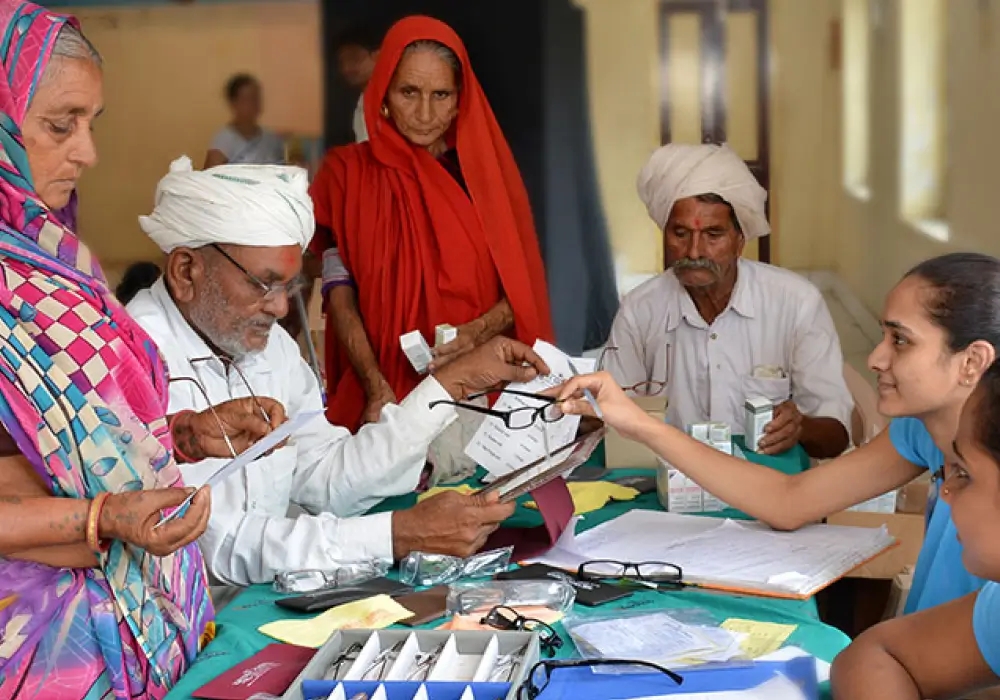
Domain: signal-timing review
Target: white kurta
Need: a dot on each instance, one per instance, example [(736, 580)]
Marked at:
[(334, 476), (775, 317)]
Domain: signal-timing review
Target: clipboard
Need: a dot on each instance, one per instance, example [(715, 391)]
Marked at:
[(533, 476)]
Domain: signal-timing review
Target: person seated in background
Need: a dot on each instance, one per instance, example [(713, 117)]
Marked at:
[(715, 329), (357, 53), (244, 140), (234, 237), (138, 276), (954, 648), (426, 223)]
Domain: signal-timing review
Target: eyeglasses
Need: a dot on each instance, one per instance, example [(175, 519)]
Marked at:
[(349, 654), (517, 418), (504, 618), (230, 364), (269, 292), (541, 673), (649, 387), (654, 574)]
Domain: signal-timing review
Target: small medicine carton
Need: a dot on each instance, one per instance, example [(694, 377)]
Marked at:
[(444, 333), (678, 493), (758, 412), (417, 350)]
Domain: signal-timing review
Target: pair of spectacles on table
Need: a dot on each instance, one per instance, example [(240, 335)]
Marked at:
[(505, 618), (540, 674), (654, 575)]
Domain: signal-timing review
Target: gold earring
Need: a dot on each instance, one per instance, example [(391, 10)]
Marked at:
[(946, 491), (385, 111)]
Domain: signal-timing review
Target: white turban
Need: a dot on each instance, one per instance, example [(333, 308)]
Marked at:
[(676, 171), (250, 205)]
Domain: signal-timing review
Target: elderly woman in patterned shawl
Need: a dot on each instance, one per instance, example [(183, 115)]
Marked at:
[(95, 601)]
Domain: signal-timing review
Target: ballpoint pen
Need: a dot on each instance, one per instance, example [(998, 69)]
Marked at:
[(586, 392)]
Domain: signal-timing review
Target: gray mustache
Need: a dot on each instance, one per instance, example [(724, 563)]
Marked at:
[(696, 264)]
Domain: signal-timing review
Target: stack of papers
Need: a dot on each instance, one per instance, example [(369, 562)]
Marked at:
[(658, 638), (500, 450), (725, 554)]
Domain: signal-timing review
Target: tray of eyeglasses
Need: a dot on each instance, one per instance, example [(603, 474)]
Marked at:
[(396, 664)]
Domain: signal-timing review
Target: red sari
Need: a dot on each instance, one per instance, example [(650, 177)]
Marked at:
[(420, 250)]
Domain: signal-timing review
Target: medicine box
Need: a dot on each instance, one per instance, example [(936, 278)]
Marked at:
[(417, 350), (444, 333), (678, 493), (758, 411), (396, 664)]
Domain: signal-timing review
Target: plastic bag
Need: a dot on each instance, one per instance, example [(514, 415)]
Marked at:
[(347, 574), (481, 596), (423, 569)]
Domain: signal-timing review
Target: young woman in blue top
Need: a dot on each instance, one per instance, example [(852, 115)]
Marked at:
[(941, 331), (954, 648)]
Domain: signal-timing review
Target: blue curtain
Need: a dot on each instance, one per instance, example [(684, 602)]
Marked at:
[(530, 57)]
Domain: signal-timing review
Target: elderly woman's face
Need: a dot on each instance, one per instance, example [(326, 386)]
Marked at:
[(58, 127), (423, 98)]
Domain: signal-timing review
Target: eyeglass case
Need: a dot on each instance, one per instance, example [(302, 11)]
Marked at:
[(462, 664)]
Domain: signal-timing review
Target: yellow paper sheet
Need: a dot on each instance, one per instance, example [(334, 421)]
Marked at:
[(463, 489), (762, 637), (374, 613), (589, 496)]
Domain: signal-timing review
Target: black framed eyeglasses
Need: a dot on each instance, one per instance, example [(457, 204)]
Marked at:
[(653, 574), (504, 618), (517, 418), (269, 292), (541, 673)]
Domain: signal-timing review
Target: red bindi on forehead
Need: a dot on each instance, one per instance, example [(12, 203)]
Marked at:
[(287, 256), (697, 223)]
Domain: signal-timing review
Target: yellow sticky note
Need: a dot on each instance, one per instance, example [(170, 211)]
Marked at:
[(589, 496), (463, 489), (374, 613), (762, 637)]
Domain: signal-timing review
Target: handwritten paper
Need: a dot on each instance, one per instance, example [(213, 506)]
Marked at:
[(745, 556), (501, 450), (760, 638), (375, 613)]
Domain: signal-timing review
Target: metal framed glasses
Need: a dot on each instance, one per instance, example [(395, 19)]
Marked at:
[(504, 618), (541, 673), (649, 387), (517, 418), (269, 292), (652, 574)]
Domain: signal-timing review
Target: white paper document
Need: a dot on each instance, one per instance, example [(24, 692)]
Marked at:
[(726, 553), (501, 450)]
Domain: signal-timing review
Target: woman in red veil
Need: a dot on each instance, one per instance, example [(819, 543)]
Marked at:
[(426, 223)]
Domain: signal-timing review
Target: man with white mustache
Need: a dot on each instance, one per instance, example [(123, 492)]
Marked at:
[(714, 329), (234, 237)]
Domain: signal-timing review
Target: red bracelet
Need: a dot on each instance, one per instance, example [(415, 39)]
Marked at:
[(178, 455)]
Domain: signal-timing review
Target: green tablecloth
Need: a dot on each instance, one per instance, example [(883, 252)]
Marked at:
[(238, 638)]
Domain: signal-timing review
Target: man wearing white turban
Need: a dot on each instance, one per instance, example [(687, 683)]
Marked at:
[(234, 237), (715, 329)]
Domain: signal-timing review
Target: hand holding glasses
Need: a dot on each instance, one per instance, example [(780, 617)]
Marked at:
[(518, 418)]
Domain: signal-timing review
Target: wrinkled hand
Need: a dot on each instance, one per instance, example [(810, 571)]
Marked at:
[(132, 516), (448, 523), (496, 362), (198, 435), (470, 335), (620, 412), (376, 401), (783, 432)]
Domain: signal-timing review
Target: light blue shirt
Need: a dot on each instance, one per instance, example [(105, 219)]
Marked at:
[(940, 575), (986, 624)]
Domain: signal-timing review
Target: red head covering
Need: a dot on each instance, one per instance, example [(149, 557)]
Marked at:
[(420, 250)]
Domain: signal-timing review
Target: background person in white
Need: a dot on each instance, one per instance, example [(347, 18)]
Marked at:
[(230, 233), (712, 318), (244, 140)]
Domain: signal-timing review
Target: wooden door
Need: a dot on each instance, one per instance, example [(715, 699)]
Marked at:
[(714, 82)]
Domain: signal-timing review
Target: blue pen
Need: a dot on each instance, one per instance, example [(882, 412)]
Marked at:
[(586, 392)]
